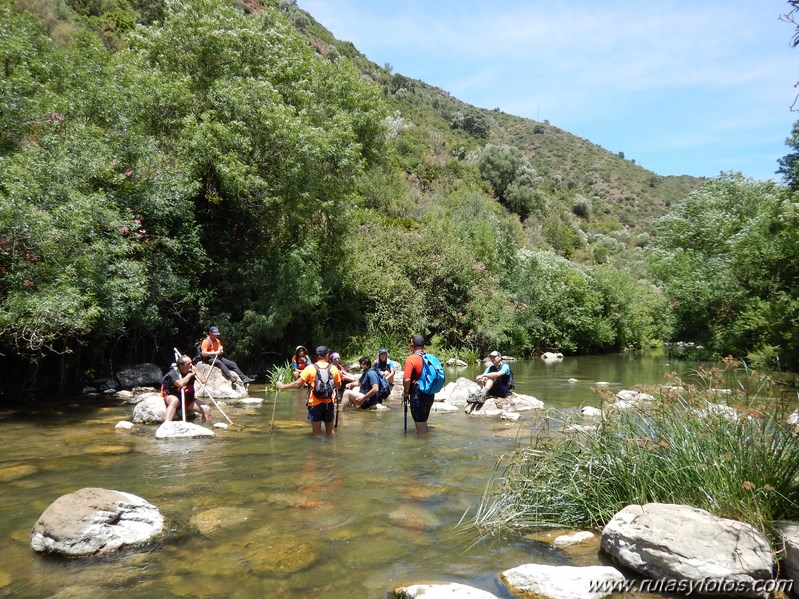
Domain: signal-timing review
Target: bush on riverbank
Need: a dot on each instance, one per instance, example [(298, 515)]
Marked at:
[(726, 451)]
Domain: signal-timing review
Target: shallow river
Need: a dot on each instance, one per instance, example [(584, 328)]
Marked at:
[(257, 513)]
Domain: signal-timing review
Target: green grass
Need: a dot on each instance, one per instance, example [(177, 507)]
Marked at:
[(675, 450), (280, 374)]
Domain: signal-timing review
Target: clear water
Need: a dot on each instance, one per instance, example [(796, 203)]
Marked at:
[(261, 513)]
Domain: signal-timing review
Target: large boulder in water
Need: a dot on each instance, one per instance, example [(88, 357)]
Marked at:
[(217, 386), (150, 410), (661, 540), (141, 375), (95, 521)]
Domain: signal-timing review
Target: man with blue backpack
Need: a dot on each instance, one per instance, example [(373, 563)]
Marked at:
[(422, 379)]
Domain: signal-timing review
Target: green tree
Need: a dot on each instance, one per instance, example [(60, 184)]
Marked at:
[(789, 164), (726, 259)]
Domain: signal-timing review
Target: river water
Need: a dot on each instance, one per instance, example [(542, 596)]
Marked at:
[(262, 513)]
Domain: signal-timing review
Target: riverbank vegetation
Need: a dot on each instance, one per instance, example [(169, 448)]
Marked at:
[(718, 442), (169, 165)]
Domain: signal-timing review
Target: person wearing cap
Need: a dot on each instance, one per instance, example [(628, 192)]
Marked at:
[(346, 377), (300, 360), (495, 381), (214, 353), (320, 409), (419, 403), (386, 366)]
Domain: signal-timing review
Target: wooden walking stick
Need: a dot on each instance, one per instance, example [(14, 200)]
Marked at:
[(183, 403), (208, 393), (274, 405)]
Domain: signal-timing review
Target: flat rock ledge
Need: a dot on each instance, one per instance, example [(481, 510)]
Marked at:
[(564, 582), (678, 541), (452, 590), (93, 521)]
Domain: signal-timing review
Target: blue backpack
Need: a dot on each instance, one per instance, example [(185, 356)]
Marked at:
[(432, 378), (383, 388)]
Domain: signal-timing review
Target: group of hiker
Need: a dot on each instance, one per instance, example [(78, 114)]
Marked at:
[(328, 379), (177, 385)]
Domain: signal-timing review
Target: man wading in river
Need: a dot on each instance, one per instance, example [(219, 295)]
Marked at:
[(323, 379)]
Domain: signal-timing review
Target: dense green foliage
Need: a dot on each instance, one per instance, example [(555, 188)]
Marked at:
[(727, 259), (736, 459), (170, 164)]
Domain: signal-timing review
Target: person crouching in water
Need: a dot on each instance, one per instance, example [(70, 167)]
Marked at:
[(180, 380), (365, 395), (496, 380)]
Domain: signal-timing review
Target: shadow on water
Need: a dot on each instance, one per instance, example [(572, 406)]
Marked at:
[(257, 513)]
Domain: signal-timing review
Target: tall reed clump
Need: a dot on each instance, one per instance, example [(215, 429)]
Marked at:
[(280, 374), (728, 451)]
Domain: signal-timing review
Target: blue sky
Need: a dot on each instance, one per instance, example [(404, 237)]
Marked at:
[(692, 87)]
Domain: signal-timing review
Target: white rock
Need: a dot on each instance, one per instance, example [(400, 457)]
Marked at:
[(179, 429), (452, 590), (562, 582), (591, 412), (95, 521)]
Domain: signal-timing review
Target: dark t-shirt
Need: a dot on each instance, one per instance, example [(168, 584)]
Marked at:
[(368, 379), (169, 385)]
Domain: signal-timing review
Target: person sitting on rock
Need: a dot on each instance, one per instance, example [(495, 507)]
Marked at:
[(346, 376), (300, 360), (177, 387), (497, 380), (363, 392), (386, 366), (214, 354)]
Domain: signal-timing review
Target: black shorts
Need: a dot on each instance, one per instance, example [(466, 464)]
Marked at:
[(420, 405), (322, 412), (498, 389), (372, 401)]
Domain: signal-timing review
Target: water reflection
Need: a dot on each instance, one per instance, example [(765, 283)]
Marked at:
[(260, 512)]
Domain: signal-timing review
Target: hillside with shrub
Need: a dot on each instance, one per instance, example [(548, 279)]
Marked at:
[(199, 162)]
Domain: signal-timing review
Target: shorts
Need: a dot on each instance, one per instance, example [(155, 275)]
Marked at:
[(322, 412), (372, 401), (498, 389), (420, 405)]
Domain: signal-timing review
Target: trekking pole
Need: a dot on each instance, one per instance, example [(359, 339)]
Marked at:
[(274, 405), (183, 403), (405, 400), (338, 405), (178, 356), (208, 393)]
